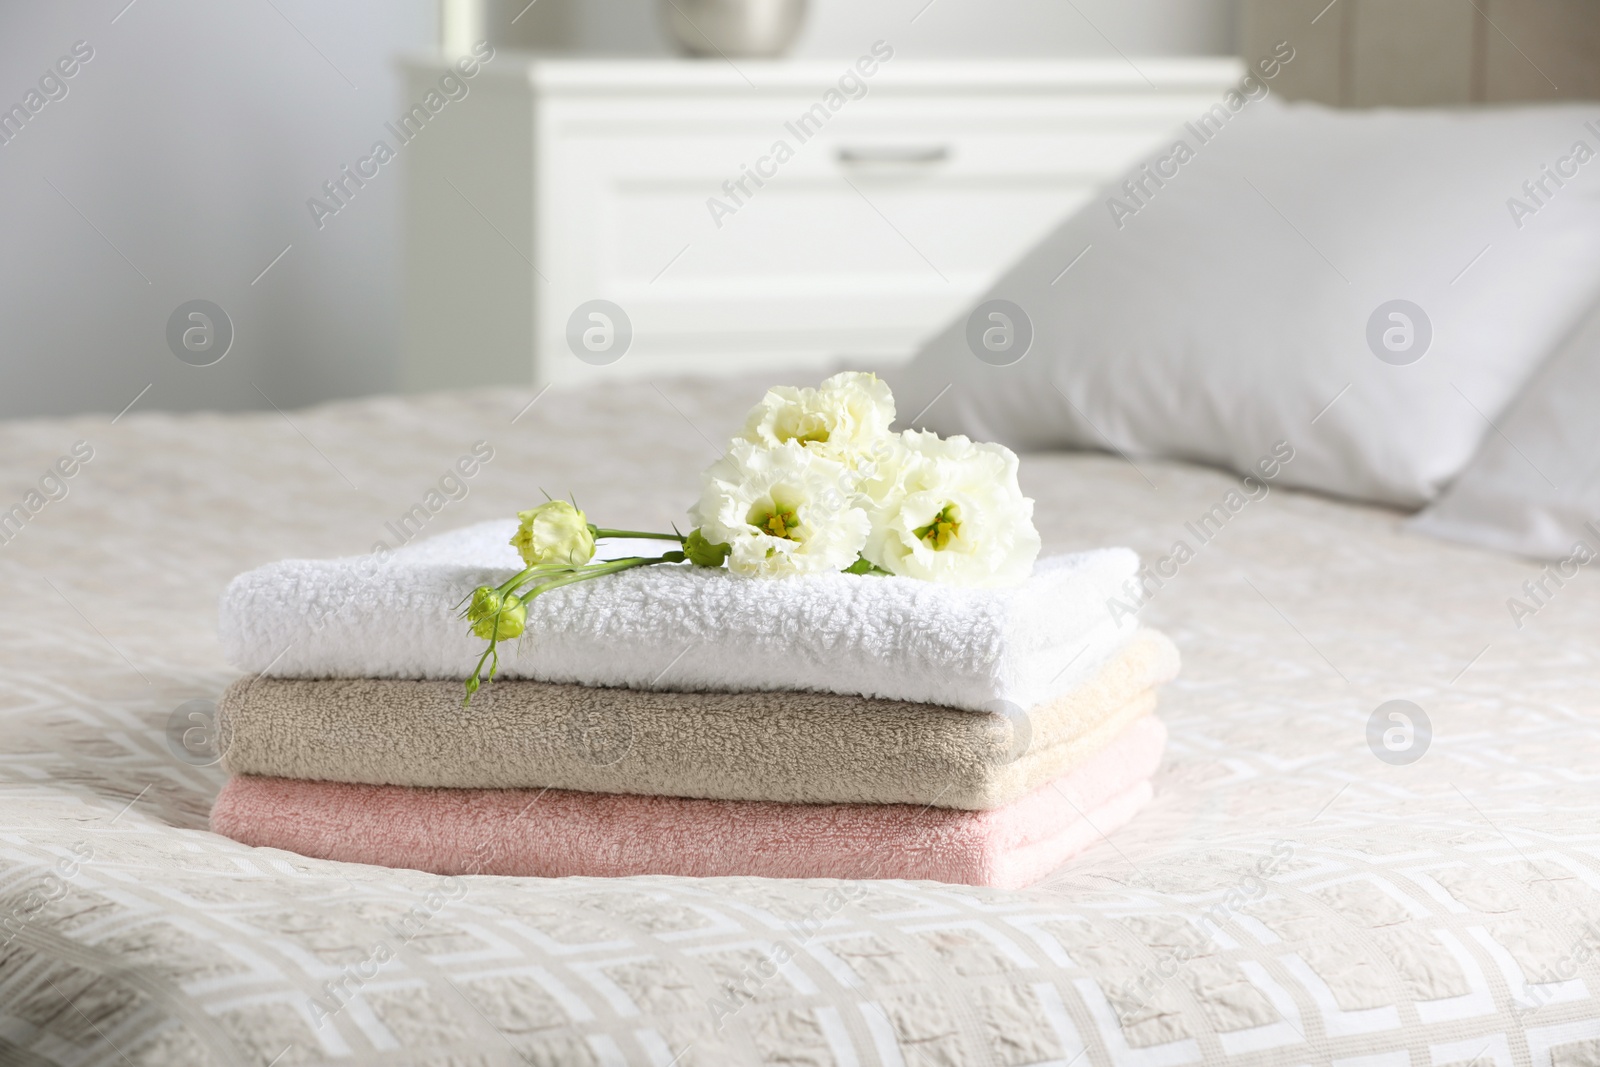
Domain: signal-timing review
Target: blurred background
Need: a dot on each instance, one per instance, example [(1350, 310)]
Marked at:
[(186, 156)]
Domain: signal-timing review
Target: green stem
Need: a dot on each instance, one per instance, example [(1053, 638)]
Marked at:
[(510, 584), (474, 679), (592, 570), (565, 576), (642, 535)]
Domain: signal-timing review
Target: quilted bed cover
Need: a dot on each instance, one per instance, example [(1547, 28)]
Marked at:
[(1302, 890)]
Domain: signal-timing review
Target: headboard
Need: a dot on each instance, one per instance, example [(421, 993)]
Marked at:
[(1367, 53)]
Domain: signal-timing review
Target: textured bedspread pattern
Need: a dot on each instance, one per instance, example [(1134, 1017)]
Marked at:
[(1288, 897)]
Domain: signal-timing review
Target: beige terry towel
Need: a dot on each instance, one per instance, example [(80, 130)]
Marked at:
[(799, 747)]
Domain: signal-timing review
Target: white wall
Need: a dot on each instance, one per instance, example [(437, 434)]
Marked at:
[(192, 140)]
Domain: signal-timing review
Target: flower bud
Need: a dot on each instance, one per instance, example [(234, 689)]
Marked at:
[(554, 532), (702, 553), (508, 620), (485, 603)]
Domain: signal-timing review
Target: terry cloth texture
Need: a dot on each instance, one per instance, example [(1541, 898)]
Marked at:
[(559, 833), (687, 628), (792, 746)]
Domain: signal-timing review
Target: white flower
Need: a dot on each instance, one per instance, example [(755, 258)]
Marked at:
[(840, 420), (878, 473), (781, 510), (951, 511)]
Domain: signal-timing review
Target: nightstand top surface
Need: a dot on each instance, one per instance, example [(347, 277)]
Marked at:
[(596, 75)]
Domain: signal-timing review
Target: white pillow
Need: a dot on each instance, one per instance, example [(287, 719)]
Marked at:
[(1227, 307), (1534, 487)]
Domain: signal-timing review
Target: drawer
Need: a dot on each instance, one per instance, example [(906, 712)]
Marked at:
[(725, 230)]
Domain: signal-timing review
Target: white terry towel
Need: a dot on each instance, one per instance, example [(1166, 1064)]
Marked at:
[(685, 628)]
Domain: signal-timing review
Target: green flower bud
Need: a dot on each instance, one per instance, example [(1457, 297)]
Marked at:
[(507, 622), (485, 604), (555, 532), (702, 553)]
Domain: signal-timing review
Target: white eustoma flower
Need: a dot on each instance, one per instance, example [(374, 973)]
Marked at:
[(951, 511), (841, 419), (780, 510)]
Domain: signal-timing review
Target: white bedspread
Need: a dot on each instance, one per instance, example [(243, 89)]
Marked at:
[(1289, 897)]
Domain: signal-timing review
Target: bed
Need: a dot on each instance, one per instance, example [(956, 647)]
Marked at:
[(1297, 892)]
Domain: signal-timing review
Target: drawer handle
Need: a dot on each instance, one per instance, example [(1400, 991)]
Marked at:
[(924, 154)]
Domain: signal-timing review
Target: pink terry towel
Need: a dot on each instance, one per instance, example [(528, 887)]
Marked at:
[(556, 833)]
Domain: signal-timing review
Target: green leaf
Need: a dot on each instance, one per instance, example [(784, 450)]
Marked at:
[(863, 565)]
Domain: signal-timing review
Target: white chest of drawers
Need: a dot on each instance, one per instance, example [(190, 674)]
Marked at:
[(777, 214)]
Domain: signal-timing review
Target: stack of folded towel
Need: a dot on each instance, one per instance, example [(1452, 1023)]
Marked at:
[(683, 721)]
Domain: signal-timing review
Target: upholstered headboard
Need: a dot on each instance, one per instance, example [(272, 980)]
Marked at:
[(1366, 53)]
